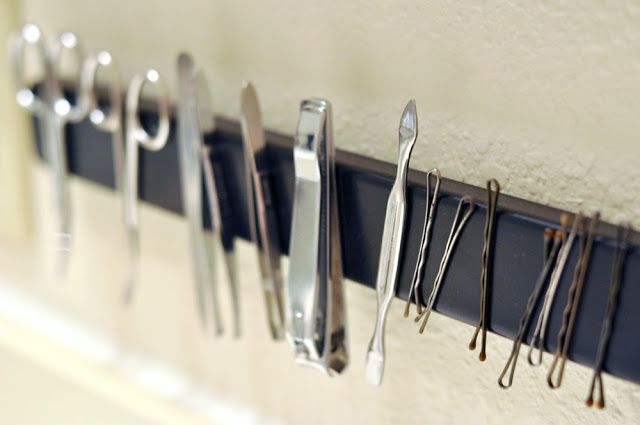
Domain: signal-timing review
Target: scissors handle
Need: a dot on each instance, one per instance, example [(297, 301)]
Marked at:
[(137, 135), (109, 121)]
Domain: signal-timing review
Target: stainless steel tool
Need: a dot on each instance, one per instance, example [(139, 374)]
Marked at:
[(195, 117), (315, 313), (109, 121), (53, 111), (263, 219), (136, 135), (392, 236)]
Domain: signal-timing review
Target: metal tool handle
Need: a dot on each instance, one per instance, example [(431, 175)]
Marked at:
[(109, 121), (263, 216), (137, 135), (304, 253)]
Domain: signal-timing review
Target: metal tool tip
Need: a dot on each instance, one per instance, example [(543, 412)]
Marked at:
[(248, 89), (249, 98), (409, 121), (374, 368)]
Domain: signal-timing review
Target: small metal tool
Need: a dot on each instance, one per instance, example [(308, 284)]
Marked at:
[(137, 135), (110, 120), (622, 247), (571, 309), (194, 119), (429, 213), (53, 111), (315, 311), (489, 229), (512, 361), (392, 235), (263, 218), (539, 333), (456, 230)]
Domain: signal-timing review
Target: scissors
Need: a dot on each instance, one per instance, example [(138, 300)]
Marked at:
[(137, 135), (48, 103)]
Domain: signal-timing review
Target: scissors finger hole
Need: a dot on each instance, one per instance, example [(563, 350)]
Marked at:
[(28, 52), (68, 60), (151, 129), (101, 80)]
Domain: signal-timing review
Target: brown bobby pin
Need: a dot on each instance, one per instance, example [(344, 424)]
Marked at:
[(622, 246), (489, 226)]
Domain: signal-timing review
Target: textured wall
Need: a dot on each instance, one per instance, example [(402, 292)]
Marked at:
[(430, 378), (542, 96)]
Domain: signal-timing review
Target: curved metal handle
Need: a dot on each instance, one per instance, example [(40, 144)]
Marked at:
[(66, 42), (136, 134), (29, 35), (135, 131), (109, 121)]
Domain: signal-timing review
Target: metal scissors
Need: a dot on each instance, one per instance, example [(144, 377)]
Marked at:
[(45, 99), (136, 134)]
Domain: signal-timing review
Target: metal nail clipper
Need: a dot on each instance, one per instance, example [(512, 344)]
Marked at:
[(315, 313), (263, 218), (392, 235), (194, 119)]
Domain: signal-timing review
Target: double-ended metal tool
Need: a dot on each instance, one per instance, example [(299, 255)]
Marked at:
[(263, 218), (195, 117), (315, 313), (392, 236)]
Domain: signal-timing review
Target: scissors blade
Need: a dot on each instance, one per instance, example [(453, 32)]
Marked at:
[(56, 152), (262, 212)]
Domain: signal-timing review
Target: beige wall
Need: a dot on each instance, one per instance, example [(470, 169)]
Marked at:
[(543, 97), (14, 143)]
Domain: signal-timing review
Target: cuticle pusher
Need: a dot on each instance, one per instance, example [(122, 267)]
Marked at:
[(391, 246)]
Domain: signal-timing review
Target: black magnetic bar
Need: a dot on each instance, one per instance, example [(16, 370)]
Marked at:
[(363, 187)]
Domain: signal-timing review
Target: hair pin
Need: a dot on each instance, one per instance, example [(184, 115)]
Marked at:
[(489, 230), (453, 237), (622, 246), (549, 234), (573, 301), (539, 334), (429, 214)]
